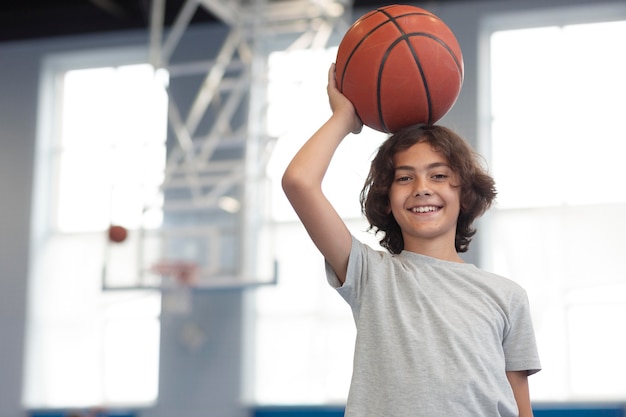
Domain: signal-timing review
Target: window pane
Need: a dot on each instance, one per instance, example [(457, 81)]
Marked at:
[(112, 146), (303, 327), (557, 228), (85, 346), (591, 336), (557, 105), (131, 367)]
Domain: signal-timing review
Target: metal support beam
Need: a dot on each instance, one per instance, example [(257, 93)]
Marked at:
[(219, 147)]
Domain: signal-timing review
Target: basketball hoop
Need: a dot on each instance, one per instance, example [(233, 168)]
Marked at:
[(184, 273)]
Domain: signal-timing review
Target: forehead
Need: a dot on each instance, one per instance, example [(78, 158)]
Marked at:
[(419, 154)]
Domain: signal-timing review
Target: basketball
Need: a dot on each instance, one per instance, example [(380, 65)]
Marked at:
[(399, 65), (117, 234)]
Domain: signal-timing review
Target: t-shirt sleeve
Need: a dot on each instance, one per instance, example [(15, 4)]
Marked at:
[(520, 346), (355, 276)]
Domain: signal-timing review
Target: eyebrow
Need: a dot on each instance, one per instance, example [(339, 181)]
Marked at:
[(428, 167)]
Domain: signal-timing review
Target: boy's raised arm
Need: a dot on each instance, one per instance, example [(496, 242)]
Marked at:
[(302, 181)]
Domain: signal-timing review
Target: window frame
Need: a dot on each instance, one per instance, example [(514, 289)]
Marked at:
[(558, 17), (44, 228)]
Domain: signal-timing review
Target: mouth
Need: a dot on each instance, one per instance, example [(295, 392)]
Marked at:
[(424, 209)]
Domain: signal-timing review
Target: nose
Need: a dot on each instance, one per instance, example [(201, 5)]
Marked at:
[(421, 188)]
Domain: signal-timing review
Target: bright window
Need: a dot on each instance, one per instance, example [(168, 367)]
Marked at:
[(100, 160), (557, 143), (304, 330)]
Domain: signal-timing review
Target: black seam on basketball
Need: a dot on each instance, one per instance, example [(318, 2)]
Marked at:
[(379, 104), (454, 57), (442, 43), (404, 37), (410, 14), (351, 54), (353, 51)]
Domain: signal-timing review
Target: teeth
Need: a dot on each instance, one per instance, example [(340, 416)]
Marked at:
[(423, 209)]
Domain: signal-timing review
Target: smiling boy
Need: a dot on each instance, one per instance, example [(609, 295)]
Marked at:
[(435, 336)]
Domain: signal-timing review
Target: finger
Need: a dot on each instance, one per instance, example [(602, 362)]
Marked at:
[(331, 75)]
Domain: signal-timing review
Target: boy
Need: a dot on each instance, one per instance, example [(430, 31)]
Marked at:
[(435, 336)]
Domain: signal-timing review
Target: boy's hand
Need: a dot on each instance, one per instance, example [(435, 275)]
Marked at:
[(340, 105)]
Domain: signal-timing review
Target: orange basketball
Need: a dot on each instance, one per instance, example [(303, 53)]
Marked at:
[(117, 234), (399, 65)]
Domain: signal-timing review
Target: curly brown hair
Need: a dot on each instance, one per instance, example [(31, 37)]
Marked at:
[(477, 186)]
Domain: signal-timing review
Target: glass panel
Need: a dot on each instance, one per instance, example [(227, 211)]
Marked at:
[(556, 149), (112, 155), (130, 367), (311, 335), (88, 347), (591, 336), (557, 106)]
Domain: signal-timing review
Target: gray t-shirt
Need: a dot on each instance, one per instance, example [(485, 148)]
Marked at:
[(434, 338)]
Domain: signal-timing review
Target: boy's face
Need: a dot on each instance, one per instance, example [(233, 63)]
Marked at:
[(424, 198)]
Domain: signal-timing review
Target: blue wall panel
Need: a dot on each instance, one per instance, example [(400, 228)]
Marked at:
[(64, 413), (298, 412), (579, 412), (540, 411)]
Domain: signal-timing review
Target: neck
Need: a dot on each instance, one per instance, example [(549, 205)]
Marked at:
[(439, 250)]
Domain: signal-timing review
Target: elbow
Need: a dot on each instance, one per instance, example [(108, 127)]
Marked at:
[(290, 183), (287, 182), (297, 184)]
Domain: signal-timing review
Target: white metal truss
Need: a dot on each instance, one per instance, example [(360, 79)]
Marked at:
[(250, 23), (218, 147)]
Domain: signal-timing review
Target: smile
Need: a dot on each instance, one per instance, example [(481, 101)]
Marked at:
[(424, 209)]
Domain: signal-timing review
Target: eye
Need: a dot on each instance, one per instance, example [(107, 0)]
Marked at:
[(403, 178), (440, 177)]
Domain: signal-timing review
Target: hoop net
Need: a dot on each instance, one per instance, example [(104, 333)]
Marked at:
[(184, 273)]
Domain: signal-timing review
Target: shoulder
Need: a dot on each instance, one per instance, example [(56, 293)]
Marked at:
[(506, 285), (364, 252)]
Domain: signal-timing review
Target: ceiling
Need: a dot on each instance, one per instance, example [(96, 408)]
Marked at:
[(35, 19)]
